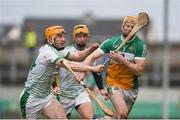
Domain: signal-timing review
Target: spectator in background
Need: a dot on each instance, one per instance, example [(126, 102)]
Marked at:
[(30, 38)]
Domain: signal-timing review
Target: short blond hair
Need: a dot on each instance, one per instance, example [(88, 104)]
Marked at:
[(129, 19)]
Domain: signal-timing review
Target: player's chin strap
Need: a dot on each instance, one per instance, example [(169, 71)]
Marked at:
[(59, 49), (52, 41)]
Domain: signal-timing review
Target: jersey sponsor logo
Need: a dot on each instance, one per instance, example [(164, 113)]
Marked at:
[(131, 49), (129, 56)]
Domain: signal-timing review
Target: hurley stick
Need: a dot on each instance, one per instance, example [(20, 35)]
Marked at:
[(105, 109), (142, 20)]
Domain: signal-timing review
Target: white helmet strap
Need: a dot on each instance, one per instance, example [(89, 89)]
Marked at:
[(51, 41)]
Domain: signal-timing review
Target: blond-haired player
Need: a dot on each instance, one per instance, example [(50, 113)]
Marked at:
[(36, 97), (125, 68)]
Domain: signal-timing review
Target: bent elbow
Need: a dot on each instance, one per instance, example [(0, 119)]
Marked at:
[(139, 72)]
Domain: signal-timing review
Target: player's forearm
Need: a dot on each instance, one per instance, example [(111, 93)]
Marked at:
[(98, 80), (136, 69), (75, 65), (90, 59), (79, 66), (80, 55), (93, 57), (83, 54)]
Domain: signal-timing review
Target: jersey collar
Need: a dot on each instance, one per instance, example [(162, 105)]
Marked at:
[(59, 49), (129, 40)]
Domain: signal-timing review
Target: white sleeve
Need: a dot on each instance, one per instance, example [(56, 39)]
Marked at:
[(65, 53), (52, 56)]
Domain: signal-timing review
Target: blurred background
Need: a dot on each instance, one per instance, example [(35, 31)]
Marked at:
[(22, 24)]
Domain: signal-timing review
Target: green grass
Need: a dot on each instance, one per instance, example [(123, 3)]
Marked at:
[(149, 110)]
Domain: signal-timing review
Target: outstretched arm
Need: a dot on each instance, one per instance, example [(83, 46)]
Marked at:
[(81, 55), (80, 66), (93, 57)]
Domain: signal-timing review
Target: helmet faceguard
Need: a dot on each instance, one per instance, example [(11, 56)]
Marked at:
[(80, 29)]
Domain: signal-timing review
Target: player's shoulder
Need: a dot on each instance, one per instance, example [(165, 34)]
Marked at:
[(48, 49), (69, 47), (112, 39), (115, 37), (44, 48), (140, 44), (139, 40)]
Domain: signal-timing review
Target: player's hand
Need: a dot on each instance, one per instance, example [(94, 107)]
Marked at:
[(77, 77), (105, 94), (115, 56), (80, 76), (98, 68), (94, 46), (56, 90)]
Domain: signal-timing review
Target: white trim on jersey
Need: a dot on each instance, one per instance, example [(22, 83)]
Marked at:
[(140, 58)]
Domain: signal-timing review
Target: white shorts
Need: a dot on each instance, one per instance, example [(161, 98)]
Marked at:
[(129, 95), (31, 107), (69, 103)]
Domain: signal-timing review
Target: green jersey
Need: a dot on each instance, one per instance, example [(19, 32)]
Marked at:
[(118, 75)]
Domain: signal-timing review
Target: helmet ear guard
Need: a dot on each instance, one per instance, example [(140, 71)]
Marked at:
[(80, 29), (50, 41), (51, 31)]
